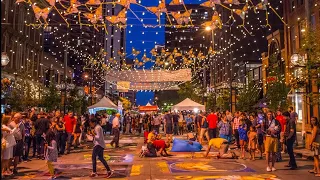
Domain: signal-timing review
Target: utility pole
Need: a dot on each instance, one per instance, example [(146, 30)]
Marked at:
[(231, 69), (65, 71)]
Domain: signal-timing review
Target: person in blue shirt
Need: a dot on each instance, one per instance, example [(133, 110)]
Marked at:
[(189, 122)]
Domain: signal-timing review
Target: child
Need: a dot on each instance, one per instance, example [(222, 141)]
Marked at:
[(191, 137), (51, 152), (243, 137), (252, 135)]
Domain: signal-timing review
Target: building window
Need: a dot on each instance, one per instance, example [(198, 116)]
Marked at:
[(292, 40), (313, 21), (292, 7), (302, 31)]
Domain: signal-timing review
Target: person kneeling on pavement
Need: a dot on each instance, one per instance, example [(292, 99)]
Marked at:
[(160, 146), (223, 146), (152, 136)]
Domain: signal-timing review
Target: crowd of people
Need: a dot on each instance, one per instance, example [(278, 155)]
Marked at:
[(50, 135), (264, 132), (47, 136)]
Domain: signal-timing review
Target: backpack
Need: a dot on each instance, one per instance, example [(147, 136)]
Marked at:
[(205, 123)]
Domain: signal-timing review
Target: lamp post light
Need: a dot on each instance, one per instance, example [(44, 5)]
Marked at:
[(4, 59), (65, 87)]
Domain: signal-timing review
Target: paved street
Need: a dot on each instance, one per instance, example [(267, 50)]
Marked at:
[(128, 165)]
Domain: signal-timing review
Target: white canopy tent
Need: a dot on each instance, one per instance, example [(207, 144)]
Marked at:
[(188, 104), (104, 103)]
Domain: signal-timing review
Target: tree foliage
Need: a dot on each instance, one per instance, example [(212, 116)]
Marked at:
[(51, 99), (248, 97), (223, 100), (126, 104), (277, 91), (188, 90)]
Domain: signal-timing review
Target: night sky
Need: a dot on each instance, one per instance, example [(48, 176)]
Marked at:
[(144, 39)]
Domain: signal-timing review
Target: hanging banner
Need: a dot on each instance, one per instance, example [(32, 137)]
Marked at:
[(123, 86), (140, 76)]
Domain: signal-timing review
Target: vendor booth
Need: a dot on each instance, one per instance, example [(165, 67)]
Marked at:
[(148, 108), (103, 104), (188, 105)]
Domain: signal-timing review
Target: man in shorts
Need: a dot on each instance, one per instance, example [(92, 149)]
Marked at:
[(223, 146), (271, 143), (169, 126)]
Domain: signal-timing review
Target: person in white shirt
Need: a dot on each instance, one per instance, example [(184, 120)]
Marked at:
[(116, 131), (98, 148)]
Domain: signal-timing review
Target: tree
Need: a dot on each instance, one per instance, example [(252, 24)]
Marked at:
[(125, 103), (310, 74), (277, 90), (187, 90), (223, 100), (74, 101), (51, 99), (248, 97)]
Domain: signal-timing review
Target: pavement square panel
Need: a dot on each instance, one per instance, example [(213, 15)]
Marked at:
[(231, 177), (124, 158), (190, 163)]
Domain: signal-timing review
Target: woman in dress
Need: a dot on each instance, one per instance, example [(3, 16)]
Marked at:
[(315, 145), (10, 142), (243, 137)]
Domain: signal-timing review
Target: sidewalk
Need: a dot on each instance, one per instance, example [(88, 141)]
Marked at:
[(301, 151)]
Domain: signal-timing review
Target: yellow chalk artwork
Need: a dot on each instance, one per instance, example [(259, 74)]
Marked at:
[(202, 166), (136, 170)]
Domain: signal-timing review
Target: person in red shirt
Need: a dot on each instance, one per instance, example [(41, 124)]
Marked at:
[(213, 121), (161, 146), (282, 121), (69, 123)]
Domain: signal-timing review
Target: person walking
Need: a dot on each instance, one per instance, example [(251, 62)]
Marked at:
[(69, 123), (213, 121), (315, 145), (98, 148), (51, 154), (290, 137), (272, 130), (116, 130)]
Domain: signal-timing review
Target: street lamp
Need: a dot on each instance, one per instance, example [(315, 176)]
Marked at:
[(4, 59), (64, 87)]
